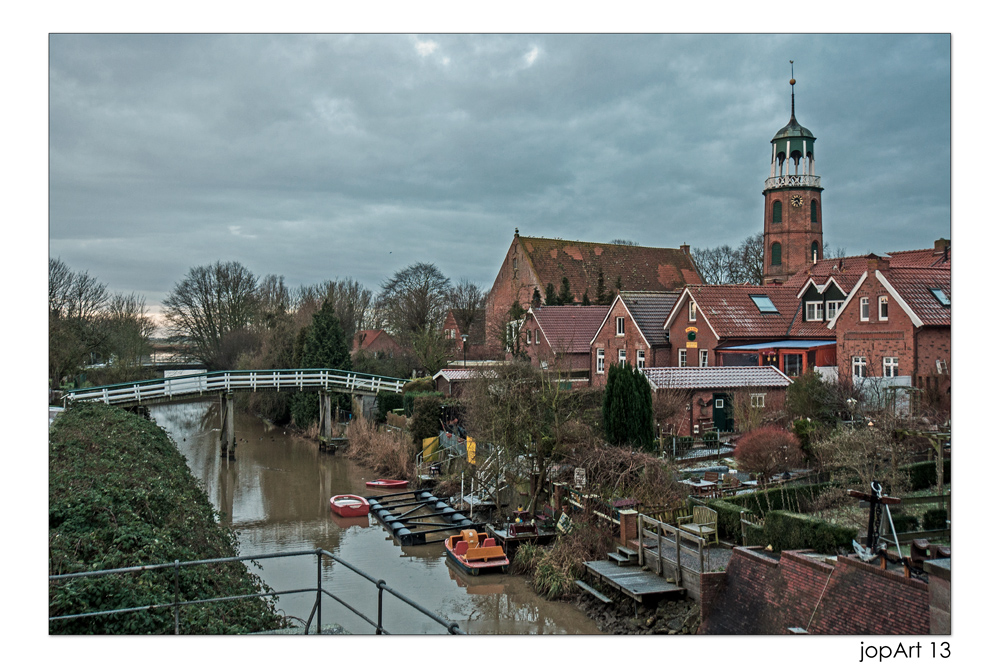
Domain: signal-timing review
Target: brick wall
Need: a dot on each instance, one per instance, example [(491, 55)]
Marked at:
[(795, 233), (874, 339), (764, 595), (608, 340), (704, 338), (933, 344)]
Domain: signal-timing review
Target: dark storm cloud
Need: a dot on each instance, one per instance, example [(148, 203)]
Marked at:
[(315, 157)]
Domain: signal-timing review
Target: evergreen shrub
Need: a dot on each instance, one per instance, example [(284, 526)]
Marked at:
[(935, 519), (788, 530)]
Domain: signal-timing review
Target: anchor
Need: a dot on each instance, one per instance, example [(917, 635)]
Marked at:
[(876, 502)]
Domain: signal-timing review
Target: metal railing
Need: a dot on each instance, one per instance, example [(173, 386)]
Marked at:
[(317, 610), (184, 386)]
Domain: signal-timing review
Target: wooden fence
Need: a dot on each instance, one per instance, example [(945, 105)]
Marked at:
[(662, 549)]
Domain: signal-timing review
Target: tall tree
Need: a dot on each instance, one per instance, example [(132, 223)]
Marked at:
[(725, 265), (323, 345), (466, 300), (210, 304), (628, 408), (415, 299)]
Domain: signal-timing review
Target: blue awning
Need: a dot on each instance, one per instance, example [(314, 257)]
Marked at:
[(786, 344)]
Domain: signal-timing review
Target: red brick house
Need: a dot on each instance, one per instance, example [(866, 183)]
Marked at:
[(801, 593), (747, 325), (632, 332), (376, 342), (531, 264), (557, 338), (895, 326), (475, 346), (710, 393)]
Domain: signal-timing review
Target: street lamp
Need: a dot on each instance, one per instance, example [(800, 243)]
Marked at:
[(465, 340)]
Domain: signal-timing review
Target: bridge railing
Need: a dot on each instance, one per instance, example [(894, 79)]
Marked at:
[(229, 381), (176, 603)]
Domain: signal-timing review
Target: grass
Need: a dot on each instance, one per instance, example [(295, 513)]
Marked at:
[(389, 453)]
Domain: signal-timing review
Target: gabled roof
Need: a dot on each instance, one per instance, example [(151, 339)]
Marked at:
[(640, 268), (453, 374), (569, 329), (926, 258), (731, 313), (365, 338), (716, 377), (914, 287), (649, 311)]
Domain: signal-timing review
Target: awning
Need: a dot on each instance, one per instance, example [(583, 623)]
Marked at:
[(784, 344)]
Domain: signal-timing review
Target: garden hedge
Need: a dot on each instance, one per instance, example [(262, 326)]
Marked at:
[(788, 530), (923, 474)]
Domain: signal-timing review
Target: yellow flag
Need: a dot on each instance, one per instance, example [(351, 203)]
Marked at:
[(430, 448), (470, 449)]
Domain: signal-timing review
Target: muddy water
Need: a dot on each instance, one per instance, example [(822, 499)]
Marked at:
[(276, 495)]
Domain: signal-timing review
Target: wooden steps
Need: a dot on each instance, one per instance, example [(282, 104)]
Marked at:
[(624, 556), (593, 591)]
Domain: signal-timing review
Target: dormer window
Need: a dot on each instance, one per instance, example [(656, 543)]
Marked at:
[(814, 311), (832, 308)]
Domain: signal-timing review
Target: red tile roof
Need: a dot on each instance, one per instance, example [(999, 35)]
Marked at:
[(732, 314), (649, 311), (569, 328), (914, 287), (366, 338), (640, 268)]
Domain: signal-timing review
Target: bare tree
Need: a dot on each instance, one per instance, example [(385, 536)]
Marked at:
[(724, 265), (415, 299), (352, 303), (751, 260), (210, 304), (466, 300)]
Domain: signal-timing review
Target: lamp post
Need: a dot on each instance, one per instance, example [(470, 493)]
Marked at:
[(465, 340)]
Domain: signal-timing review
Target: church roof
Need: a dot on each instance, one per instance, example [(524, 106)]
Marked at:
[(640, 268)]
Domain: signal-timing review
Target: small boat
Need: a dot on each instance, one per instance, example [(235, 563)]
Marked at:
[(387, 483), (474, 552), (347, 505)]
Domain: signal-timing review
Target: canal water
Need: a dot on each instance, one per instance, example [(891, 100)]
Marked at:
[(276, 497)]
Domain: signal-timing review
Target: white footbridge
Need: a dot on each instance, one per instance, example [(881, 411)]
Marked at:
[(224, 384)]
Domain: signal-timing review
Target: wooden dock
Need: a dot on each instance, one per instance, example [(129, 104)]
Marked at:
[(510, 543), (635, 582)]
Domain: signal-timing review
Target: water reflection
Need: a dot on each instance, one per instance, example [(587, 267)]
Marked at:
[(276, 496)]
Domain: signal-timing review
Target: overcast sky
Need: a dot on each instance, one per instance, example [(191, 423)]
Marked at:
[(316, 157)]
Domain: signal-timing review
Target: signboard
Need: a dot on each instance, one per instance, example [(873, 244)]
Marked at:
[(564, 523), (693, 344), (579, 477), (470, 450)]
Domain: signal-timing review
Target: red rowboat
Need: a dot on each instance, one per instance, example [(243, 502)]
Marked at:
[(348, 505), (474, 552), (387, 483)]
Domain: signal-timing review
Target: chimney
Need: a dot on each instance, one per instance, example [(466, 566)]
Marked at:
[(686, 249), (941, 246), (876, 263)]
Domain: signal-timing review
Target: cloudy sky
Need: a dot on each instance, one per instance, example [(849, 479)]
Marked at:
[(316, 157)]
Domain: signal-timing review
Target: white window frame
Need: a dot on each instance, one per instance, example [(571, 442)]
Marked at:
[(942, 366), (756, 400), (538, 336), (600, 360), (859, 363), (619, 326), (883, 304), (703, 358), (814, 311), (890, 367), (622, 357), (640, 358), (864, 314), (692, 311), (832, 308), (682, 358)]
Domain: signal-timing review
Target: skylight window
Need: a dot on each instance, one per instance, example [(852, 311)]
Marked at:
[(763, 303), (941, 296)]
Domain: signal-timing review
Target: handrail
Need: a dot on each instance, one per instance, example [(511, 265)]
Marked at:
[(228, 381), (450, 626)]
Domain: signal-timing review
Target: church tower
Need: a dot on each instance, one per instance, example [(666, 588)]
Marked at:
[(793, 212)]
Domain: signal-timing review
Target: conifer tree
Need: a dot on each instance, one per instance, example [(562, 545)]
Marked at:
[(321, 344)]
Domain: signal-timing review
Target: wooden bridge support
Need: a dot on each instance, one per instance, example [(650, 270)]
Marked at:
[(325, 420), (227, 430)]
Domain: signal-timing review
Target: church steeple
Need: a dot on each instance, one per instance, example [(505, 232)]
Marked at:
[(793, 229)]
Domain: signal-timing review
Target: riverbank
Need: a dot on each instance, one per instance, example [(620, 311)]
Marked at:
[(121, 495)]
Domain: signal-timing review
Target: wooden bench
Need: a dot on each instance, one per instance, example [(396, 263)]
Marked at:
[(702, 522)]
